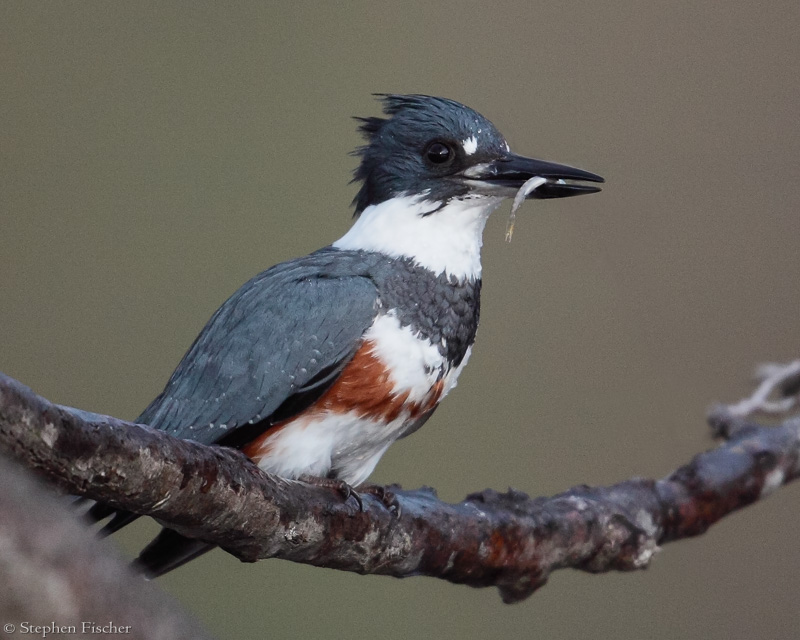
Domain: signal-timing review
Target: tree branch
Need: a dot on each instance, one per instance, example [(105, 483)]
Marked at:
[(506, 540)]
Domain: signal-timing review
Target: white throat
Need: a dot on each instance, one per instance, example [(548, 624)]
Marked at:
[(448, 240)]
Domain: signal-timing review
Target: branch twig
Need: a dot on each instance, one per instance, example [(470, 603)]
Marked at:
[(506, 540), (782, 380)]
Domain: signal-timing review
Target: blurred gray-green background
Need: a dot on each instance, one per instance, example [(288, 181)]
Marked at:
[(155, 155)]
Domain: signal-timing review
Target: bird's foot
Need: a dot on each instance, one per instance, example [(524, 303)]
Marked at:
[(385, 494), (344, 489)]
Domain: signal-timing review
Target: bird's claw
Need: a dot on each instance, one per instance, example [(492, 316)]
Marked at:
[(387, 497), (344, 489), (348, 492)]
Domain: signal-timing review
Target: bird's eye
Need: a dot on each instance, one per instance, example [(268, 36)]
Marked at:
[(438, 153)]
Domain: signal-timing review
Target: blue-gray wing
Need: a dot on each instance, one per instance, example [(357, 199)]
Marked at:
[(268, 352)]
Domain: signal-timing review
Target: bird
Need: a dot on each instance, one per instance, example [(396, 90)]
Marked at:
[(314, 367)]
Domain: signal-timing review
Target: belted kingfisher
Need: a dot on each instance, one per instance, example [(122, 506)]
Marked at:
[(315, 366)]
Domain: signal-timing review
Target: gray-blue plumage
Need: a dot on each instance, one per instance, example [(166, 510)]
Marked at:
[(393, 160), (278, 343), (291, 326)]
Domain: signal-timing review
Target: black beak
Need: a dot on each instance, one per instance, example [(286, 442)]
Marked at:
[(512, 171)]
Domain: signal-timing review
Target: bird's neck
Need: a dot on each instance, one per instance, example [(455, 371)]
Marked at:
[(439, 238)]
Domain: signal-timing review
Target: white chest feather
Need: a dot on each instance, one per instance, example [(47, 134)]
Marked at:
[(440, 239)]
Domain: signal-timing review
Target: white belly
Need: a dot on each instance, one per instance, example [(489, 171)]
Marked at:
[(347, 436)]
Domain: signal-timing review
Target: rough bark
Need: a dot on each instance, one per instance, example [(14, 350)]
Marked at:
[(506, 540)]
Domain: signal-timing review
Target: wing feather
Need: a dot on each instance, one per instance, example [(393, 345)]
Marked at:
[(277, 343)]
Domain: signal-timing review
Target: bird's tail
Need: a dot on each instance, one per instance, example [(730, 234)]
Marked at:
[(98, 511), (169, 550)]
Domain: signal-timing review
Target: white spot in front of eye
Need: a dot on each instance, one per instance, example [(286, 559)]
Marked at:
[(470, 145)]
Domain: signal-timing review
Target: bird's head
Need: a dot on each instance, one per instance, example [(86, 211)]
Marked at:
[(431, 173), (440, 150)]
